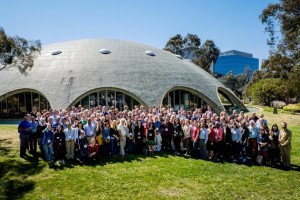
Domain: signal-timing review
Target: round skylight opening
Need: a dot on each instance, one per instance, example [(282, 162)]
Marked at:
[(179, 56), (105, 51), (56, 52), (150, 53)]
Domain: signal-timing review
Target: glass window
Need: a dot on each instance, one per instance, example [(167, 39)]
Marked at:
[(4, 107), (102, 100), (192, 96), (176, 105), (110, 99), (120, 100), (128, 102), (15, 106), (9, 105), (28, 102), (42, 103), (36, 101), (93, 100), (165, 100), (22, 103), (85, 102)]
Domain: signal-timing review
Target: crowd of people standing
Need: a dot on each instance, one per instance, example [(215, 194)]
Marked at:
[(91, 134)]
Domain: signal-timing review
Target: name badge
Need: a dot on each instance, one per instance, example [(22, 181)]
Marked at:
[(49, 141), (166, 129), (150, 134), (85, 146)]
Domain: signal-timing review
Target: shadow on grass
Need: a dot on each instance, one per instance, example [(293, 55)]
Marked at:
[(14, 172)]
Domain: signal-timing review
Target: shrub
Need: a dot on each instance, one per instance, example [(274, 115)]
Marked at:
[(278, 104), (292, 107)]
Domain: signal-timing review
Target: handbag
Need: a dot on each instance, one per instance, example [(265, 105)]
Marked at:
[(259, 159)]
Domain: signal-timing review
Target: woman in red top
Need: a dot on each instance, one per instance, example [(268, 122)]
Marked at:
[(210, 142), (93, 148)]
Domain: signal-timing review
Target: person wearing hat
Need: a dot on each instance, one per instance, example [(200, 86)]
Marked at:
[(285, 138)]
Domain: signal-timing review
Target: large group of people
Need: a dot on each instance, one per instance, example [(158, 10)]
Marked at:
[(90, 134)]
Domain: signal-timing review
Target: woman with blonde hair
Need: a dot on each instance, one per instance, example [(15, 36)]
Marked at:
[(122, 133), (187, 136)]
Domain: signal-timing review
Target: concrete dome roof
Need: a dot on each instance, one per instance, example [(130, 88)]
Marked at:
[(81, 68)]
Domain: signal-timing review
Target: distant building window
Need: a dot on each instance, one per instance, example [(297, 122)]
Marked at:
[(56, 52), (150, 53), (105, 51)]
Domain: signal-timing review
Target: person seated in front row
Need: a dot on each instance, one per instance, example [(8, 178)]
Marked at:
[(93, 149)]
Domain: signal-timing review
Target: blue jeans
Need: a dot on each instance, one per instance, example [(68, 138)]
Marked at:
[(48, 152)]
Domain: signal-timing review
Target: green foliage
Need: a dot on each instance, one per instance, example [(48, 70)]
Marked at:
[(267, 90), (236, 82), (190, 47), (17, 52), (175, 45), (292, 107), (281, 22), (207, 54)]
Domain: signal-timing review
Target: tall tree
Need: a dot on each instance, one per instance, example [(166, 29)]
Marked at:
[(207, 54), (236, 83), (282, 23), (175, 45), (191, 45), (17, 52)]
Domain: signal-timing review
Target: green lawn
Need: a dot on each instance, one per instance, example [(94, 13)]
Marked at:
[(161, 177)]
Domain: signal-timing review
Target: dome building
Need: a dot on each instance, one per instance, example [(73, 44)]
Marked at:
[(112, 73)]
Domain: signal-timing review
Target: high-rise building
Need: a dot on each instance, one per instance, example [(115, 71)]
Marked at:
[(236, 61)]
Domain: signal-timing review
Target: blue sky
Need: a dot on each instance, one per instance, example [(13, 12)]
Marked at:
[(231, 24)]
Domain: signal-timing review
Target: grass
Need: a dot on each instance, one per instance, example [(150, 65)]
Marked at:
[(164, 176)]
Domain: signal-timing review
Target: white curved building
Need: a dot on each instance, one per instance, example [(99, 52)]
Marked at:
[(112, 73)]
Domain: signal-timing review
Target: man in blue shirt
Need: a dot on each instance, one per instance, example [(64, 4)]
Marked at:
[(33, 135), (203, 138), (24, 129)]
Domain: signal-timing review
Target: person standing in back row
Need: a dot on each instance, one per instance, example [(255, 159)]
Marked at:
[(285, 138)]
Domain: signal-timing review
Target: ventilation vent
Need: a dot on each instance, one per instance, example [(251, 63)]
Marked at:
[(150, 53), (179, 56), (56, 52), (105, 51)]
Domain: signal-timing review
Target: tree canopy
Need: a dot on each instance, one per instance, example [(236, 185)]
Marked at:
[(190, 47), (17, 52), (282, 23)]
